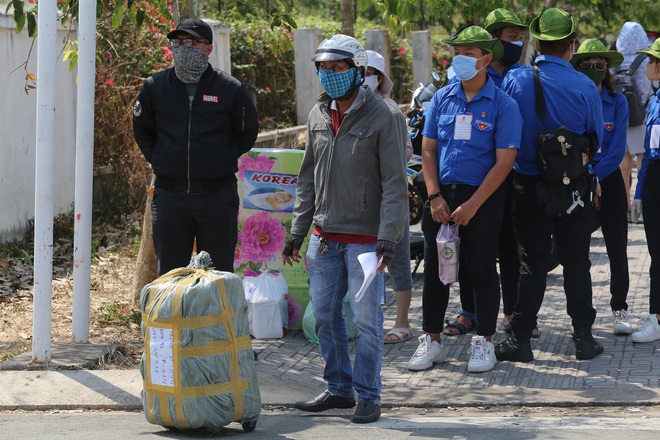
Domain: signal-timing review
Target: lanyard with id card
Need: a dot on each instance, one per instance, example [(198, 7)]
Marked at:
[(463, 127)]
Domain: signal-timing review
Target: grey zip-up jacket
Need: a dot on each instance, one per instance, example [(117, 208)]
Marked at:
[(354, 182)]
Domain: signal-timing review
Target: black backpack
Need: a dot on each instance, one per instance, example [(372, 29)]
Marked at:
[(623, 82)]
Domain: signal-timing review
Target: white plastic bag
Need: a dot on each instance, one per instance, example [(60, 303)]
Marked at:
[(448, 243), (264, 295)]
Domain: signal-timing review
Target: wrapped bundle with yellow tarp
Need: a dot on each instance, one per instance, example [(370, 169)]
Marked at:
[(198, 365)]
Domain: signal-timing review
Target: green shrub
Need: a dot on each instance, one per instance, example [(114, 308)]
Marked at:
[(115, 312)]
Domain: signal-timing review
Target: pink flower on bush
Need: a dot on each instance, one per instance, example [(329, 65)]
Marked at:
[(267, 89), (261, 238), (402, 50), (110, 82), (167, 54), (260, 163)]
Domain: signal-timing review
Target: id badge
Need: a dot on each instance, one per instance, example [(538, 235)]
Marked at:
[(654, 140), (463, 127)]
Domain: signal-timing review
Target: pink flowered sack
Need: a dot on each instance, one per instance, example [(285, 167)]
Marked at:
[(448, 243)]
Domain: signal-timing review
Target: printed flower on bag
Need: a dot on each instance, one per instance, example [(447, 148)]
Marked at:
[(261, 238), (254, 162), (250, 273), (295, 311)]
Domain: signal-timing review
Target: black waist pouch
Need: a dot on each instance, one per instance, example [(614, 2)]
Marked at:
[(561, 155)]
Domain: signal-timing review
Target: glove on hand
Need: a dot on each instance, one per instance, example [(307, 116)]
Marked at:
[(294, 242), (386, 249)]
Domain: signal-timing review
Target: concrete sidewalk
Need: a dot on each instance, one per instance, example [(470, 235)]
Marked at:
[(290, 369)]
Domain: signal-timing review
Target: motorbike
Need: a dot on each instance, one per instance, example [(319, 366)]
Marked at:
[(417, 194)]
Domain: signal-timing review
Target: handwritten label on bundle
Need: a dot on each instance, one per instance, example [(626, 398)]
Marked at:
[(160, 356)]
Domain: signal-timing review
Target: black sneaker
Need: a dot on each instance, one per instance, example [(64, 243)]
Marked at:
[(514, 349), (325, 401), (586, 347), (366, 412)]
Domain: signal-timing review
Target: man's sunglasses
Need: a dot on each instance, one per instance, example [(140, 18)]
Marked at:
[(186, 42)]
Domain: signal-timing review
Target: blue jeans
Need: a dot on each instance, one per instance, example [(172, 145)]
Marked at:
[(330, 277)]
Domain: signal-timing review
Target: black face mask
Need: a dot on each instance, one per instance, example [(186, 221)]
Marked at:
[(512, 53)]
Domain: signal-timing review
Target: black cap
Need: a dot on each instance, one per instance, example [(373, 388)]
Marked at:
[(195, 27)]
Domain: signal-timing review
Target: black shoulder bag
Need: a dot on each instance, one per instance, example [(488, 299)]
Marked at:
[(565, 183)]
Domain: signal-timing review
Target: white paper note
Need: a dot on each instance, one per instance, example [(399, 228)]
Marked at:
[(369, 262), (161, 358)]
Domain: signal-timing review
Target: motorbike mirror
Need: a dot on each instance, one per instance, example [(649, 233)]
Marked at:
[(435, 76)]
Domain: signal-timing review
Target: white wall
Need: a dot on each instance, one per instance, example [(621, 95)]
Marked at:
[(18, 131)]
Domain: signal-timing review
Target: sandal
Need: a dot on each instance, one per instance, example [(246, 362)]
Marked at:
[(456, 328), (403, 334)]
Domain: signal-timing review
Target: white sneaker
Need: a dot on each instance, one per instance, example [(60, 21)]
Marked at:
[(427, 353), (482, 355), (649, 330), (622, 325)]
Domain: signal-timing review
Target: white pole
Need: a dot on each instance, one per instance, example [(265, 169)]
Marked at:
[(44, 181), (82, 238)]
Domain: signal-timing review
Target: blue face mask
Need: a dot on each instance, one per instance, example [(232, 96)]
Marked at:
[(338, 84), (465, 67)]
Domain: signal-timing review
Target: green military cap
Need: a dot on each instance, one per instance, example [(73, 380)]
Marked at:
[(500, 18), (592, 48), (654, 50), (553, 24), (478, 37)]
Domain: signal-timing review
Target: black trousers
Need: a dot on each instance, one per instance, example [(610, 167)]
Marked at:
[(651, 211), (509, 263), (477, 261), (533, 234), (178, 219), (614, 225)]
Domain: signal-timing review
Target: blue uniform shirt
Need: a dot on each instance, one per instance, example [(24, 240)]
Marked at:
[(497, 78), (571, 99), (651, 142), (613, 147), (495, 123)]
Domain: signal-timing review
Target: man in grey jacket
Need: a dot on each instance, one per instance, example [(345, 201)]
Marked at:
[(352, 187)]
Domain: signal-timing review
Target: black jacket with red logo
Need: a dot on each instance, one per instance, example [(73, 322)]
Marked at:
[(194, 146)]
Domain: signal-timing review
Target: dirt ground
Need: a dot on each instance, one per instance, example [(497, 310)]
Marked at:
[(112, 313)]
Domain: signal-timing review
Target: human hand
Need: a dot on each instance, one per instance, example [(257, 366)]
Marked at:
[(290, 253), (290, 259), (384, 249), (440, 210), (463, 214), (635, 210)]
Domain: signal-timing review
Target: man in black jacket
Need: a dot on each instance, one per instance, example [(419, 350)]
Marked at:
[(192, 123)]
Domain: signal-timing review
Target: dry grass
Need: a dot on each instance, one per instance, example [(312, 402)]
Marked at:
[(111, 310)]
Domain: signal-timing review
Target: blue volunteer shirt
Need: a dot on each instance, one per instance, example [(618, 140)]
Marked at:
[(495, 123), (571, 99), (615, 132), (497, 78), (651, 142)]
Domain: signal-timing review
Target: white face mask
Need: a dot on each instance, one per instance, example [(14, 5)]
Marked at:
[(372, 82)]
